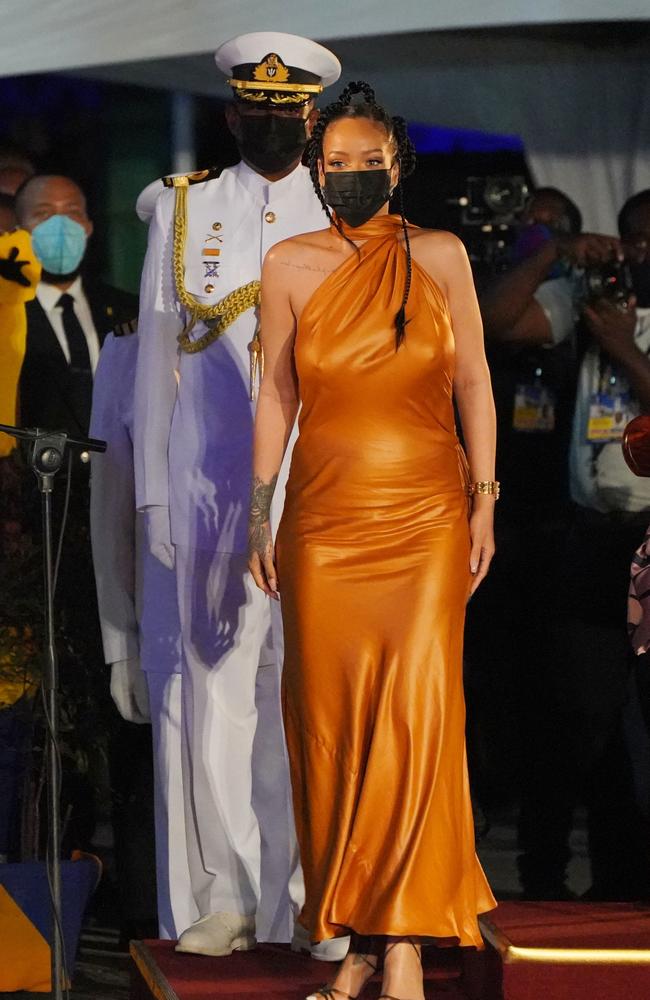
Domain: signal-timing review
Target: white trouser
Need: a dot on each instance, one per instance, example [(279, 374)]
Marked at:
[(176, 906), (241, 843)]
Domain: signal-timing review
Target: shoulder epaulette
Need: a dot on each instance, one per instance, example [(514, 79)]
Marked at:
[(197, 177), (124, 329)]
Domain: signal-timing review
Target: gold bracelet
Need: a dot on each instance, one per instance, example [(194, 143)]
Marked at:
[(489, 487)]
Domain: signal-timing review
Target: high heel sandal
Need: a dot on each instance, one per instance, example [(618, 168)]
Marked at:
[(389, 948), (333, 992)]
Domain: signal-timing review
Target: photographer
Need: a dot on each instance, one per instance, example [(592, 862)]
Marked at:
[(532, 304), (576, 735), (528, 316), (529, 325)]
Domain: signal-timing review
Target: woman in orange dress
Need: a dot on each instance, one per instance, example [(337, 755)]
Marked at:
[(373, 328)]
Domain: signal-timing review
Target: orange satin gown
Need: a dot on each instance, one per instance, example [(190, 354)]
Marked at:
[(373, 564)]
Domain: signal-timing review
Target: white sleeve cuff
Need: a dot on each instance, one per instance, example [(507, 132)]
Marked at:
[(556, 299)]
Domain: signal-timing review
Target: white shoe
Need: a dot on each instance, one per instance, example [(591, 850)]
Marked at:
[(218, 934), (333, 950)]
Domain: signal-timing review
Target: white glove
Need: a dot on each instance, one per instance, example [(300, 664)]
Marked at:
[(159, 536), (129, 691)]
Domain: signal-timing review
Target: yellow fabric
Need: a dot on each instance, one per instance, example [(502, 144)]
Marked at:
[(13, 327), (11, 690), (24, 952), (17, 652), (373, 561)]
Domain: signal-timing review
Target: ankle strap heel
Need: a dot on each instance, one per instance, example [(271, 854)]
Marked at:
[(389, 948)]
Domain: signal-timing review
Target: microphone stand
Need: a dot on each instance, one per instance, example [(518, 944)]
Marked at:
[(46, 458)]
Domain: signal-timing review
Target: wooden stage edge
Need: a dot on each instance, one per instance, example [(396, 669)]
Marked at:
[(152, 977), (562, 948), (511, 953)]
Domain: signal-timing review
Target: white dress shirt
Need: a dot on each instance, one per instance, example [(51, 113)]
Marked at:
[(48, 296), (601, 479), (557, 299)]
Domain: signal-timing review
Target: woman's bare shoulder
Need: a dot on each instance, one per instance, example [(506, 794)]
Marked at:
[(440, 253), (296, 246), (437, 240)]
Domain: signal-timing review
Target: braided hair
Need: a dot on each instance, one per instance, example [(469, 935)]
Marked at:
[(396, 128)]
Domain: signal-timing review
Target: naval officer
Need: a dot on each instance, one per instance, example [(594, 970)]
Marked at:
[(198, 361)]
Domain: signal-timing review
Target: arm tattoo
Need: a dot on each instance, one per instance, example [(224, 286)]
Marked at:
[(259, 536), (306, 267), (261, 496)]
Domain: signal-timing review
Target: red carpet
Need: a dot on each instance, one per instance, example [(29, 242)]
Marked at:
[(572, 951), (538, 951), (270, 972)]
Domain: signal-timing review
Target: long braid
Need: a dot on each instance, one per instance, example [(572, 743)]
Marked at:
[(400, 318), (396, 128), (312, 161), (406, 159)]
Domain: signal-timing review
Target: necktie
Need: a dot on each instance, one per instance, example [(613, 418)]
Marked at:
[(77, 344)]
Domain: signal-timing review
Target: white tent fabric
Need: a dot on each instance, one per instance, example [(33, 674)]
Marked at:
[(599, 149), (583, 112), (582, 107), (40, 35)]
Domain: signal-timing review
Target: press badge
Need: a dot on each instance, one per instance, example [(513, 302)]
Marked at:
[(610, 410), (534, 408)]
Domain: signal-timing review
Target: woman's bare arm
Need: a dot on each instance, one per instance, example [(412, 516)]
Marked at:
[(446, 259), (276, 411)]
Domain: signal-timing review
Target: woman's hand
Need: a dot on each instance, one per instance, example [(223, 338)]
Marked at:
[(481, 530), (261, 555), (261, 559)]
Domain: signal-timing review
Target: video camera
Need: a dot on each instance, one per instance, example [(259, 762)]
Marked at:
[(493, 201), (490, 211)]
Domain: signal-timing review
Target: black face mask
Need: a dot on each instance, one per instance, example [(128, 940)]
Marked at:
[(357, 195), (640, 274), (271, 143)]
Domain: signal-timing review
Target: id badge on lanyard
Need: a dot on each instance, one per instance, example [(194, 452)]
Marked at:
[(534, 408), (610, 406)]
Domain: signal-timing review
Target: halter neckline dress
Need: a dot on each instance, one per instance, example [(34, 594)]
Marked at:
[(373, 561)]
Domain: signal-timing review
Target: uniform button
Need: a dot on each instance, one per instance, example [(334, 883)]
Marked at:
[(216, 226), (208, 289), (269, 217)]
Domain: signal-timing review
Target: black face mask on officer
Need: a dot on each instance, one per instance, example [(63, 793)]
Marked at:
[(357, 195), (271, 143)]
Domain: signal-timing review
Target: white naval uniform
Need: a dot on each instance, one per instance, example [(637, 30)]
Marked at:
[(193, 433), (139, 615)]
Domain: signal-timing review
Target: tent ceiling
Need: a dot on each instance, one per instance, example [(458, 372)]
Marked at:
[(68, 34), (420, 74)]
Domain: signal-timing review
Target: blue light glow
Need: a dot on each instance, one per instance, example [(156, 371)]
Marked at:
[(437, 139)]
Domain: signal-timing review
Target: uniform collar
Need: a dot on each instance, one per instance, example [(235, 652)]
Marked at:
[(267, 191), (48, 295)]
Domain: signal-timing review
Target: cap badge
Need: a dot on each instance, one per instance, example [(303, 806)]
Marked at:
[(271, 70)]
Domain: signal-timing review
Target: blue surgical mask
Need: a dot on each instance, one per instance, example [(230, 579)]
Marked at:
[(59, 243)]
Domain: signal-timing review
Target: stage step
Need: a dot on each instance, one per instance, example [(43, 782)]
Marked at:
[(535, 951), (569, 951), (271, 972)]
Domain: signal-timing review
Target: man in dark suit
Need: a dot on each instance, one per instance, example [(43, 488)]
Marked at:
[(66, 326), (71, 314)]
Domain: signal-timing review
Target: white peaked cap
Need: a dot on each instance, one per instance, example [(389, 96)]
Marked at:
[(292, 49)]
